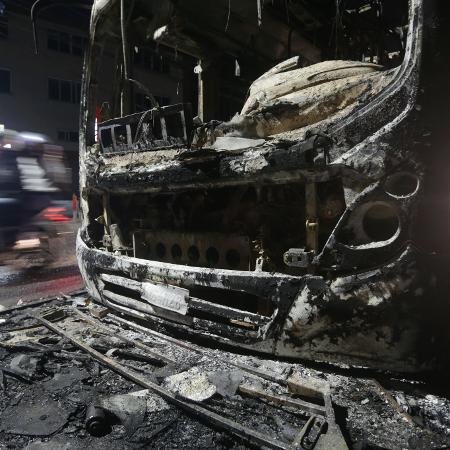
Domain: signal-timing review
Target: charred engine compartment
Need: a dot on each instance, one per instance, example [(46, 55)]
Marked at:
[(244, 227)]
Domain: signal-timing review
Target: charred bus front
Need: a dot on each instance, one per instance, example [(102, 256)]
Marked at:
[(286, 228)]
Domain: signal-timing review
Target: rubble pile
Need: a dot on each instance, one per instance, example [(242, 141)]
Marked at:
[(75, 375)]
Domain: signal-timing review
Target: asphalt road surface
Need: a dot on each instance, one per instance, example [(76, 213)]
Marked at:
[(60, 277)]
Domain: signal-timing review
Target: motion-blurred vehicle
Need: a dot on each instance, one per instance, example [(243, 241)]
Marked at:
[(33, 204)]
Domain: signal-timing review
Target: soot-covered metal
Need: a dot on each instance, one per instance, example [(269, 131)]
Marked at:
[(288, 228)]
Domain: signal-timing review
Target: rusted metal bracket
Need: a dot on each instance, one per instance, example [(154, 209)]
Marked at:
[(312, 223), (308, 436), (320, 427), (106, 220), (298, 257)]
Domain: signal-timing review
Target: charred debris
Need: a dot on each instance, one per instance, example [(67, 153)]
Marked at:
[(75, 374)]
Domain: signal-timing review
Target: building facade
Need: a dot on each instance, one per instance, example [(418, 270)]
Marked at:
[(41, 92)]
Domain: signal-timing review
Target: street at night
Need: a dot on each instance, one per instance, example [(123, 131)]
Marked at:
[(224, 224), (60, 277)]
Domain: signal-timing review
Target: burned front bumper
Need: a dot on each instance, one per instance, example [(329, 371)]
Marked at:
[(372, 319)]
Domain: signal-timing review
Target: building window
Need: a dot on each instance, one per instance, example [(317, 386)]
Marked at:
[(78, 44), (5, 81), (142, 102), (162, 101), (160, 63), (68, 136), (64, 91), (65, 42), (52, 40), (53, 89), (3, 27), (148, 59)]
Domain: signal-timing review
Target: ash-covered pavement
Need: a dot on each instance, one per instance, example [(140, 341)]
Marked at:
[(17, 286), (75, 375)]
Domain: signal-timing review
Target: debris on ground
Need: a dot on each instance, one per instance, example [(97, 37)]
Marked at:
[(191, 385), (74, 379)]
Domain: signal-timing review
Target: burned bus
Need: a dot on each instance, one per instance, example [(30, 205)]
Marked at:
[(282, 218)]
